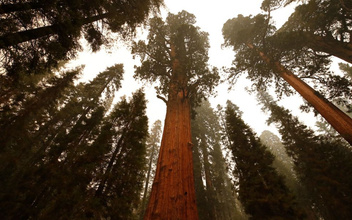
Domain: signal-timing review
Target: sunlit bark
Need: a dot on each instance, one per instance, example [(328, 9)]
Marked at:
[(173, 192), (341, 122)]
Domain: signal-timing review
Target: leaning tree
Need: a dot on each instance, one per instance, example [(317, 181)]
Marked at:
[(176, 56), (266, 65)]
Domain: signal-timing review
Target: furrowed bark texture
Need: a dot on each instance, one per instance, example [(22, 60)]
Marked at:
[(341, 122), (173, 192)]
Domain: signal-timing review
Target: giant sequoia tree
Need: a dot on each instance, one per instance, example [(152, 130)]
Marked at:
[(176, 56), (262, 62), (35, 35)]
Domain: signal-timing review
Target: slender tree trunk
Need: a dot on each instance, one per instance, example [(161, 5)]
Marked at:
[(144, 200), (13, 39), (209, 185), (113, 158), (173, 192), (341, 122), (198, 181)]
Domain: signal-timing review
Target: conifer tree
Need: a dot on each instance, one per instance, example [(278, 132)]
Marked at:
[(176, 56), (215, 200), (322, 26), (20, 125), (46, 167), (153, 145), (321, 164), (254, 54), (120, 177), (261, 190), (285, 167)]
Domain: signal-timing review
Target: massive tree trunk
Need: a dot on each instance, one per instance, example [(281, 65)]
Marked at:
[(173, 193), (341, 122)]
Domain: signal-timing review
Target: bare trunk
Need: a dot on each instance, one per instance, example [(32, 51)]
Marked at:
[(341, 122), (144, 200), (173, 192), (113, 158), (208, 181)]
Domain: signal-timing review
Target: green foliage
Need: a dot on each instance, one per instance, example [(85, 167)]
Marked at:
[(118, 197), (215, 199), (36, 35), (63, 158), (153, 144), (324, 18), (251, 35), (347, 69), (285, 167), (261, 190), (321, 164), (240, 32), (176, 40)]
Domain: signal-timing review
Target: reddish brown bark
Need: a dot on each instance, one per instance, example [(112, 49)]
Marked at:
[(341, 122), (173, 192)]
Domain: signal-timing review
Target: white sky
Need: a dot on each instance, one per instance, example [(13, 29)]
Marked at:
[(211, 15)]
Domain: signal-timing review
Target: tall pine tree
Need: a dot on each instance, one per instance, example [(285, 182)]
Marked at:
[(248, 36), (261, 189), (321, 164), (215, 198)]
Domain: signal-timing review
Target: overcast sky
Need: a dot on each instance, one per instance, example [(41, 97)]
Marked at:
[(211, 15)]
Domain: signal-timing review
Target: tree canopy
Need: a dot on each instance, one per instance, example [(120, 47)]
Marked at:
[(321, 163), (261, 189), (36, 35), (176, 42), (72, 149)]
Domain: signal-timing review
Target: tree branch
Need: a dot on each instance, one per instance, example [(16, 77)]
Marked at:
[(162, 98), (344, 5)]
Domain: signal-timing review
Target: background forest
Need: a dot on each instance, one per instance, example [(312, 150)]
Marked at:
[(75, 143)]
